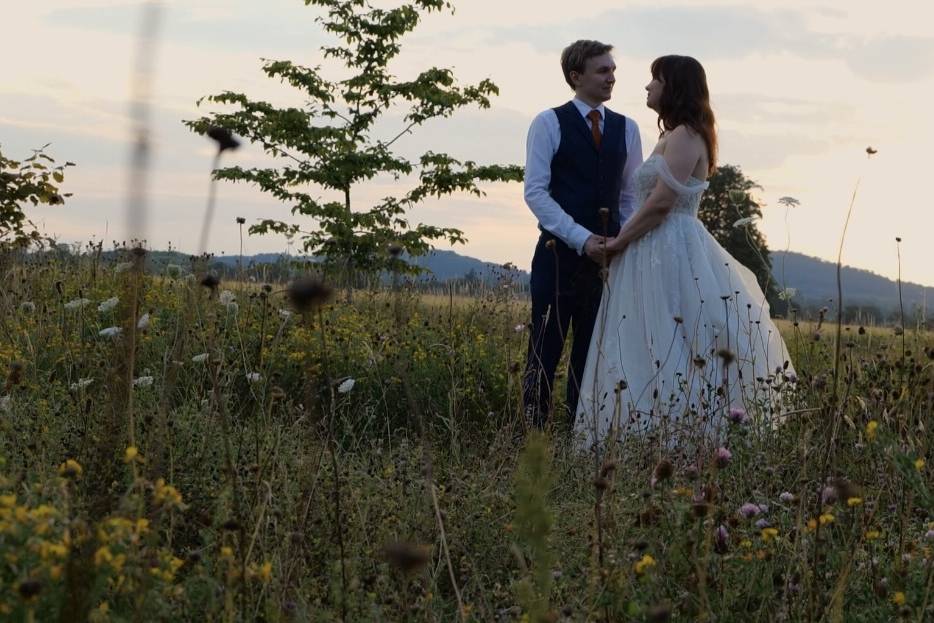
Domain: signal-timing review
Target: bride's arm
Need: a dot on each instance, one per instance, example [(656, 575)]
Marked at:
[(681, 155)]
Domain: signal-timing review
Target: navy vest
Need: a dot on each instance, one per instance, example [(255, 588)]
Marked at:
[(584, 178)]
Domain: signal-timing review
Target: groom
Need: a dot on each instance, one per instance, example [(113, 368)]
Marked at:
[(579, 159)]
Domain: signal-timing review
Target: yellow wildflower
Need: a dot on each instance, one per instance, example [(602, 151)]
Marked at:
[(103, 556), (166, 494), (872, 535), (769, 533), (851, 502), (265, 571), (226, 552), (871, 427), (8, 500), (55, 572), (898, 598), (919, 464), (825, 519), (812, 525), (745, 543), (644, 564), (130, 454), (70, 469)]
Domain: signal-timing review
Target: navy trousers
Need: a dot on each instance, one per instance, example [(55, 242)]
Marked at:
[(566, 290)]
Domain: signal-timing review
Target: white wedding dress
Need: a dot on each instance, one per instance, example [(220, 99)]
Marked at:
[(683, 335)]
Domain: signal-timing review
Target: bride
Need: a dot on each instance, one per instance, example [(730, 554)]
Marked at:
[(683, 338)]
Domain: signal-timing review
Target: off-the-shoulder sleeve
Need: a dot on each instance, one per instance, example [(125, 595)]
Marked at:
[(692, 188)]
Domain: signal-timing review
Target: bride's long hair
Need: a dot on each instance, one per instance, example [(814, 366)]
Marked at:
[(685, 100)]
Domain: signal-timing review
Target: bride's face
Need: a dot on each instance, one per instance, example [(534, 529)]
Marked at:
[(654, 95)]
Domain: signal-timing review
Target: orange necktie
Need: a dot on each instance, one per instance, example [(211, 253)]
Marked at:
[(594, 116)]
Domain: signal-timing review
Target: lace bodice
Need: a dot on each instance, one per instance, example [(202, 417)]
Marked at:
[(655, 167)]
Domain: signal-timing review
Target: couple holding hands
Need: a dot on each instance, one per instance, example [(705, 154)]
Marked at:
[(670, 332)]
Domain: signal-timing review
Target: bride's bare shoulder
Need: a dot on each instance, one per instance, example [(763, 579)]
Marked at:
[(682, 138)]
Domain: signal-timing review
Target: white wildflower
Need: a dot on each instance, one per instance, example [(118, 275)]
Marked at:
[(108, 305), (285, 314), (519, 328), (745, 221), (345, 386), (77, 303), (122, 267), (27, 307), (4, 404), (253, 377), (227, 297), (173, 270), (143, 381), (110, 332), (200, 358), (787, 294), (143, 322), (81, 384)]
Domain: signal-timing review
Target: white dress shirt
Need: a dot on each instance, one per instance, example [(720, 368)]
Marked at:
[(541, 146)]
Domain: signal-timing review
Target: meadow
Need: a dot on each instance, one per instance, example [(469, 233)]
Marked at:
[(177, 448)]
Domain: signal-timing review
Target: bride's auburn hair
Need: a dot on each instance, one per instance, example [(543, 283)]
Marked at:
[(685, 100)]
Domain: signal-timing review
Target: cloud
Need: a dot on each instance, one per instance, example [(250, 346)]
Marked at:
[(246, 28), (730, 32), (761, 151)]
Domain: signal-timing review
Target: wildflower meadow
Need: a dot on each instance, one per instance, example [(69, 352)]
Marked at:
[(338, 442), (184, 448)]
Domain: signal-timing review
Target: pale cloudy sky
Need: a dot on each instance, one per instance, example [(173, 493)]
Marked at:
[(801, 87)]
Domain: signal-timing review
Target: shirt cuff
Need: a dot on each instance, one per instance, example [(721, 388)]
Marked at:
[(578, 238)]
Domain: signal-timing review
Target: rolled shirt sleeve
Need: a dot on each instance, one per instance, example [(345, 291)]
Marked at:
[(541, 145)]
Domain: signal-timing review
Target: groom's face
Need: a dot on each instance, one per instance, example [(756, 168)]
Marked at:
[(596, 82)]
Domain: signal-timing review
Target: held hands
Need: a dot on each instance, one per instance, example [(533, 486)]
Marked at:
[(601, 249), (595, 248)]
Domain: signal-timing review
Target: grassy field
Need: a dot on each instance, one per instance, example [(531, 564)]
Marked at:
[(213, 453)]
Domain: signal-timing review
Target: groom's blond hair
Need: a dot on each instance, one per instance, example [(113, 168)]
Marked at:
[(574, 57)]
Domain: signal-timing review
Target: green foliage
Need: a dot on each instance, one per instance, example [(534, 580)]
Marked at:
[(33, 180), (533, 525), (331, 142), (174, 547), (725, 202)]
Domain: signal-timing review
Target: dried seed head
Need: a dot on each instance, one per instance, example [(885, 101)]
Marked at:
[(660, 613), (664, 470), (726, 355), (240, 220), (210, 281), (601, 484), (608, 468), (407, 557), (29, 588), (15, 376), (224, 139), (308, 293)]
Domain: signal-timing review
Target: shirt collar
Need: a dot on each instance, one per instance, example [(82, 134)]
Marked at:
[(585, 108)]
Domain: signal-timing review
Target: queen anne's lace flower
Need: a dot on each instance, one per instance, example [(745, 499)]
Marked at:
[(345, 386), (77, 303), (108, 305), (110, 332)]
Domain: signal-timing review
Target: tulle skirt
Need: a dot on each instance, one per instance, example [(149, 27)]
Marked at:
[(683, 341)]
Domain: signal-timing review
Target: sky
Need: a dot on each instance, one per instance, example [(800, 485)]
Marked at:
[(800, 89)]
